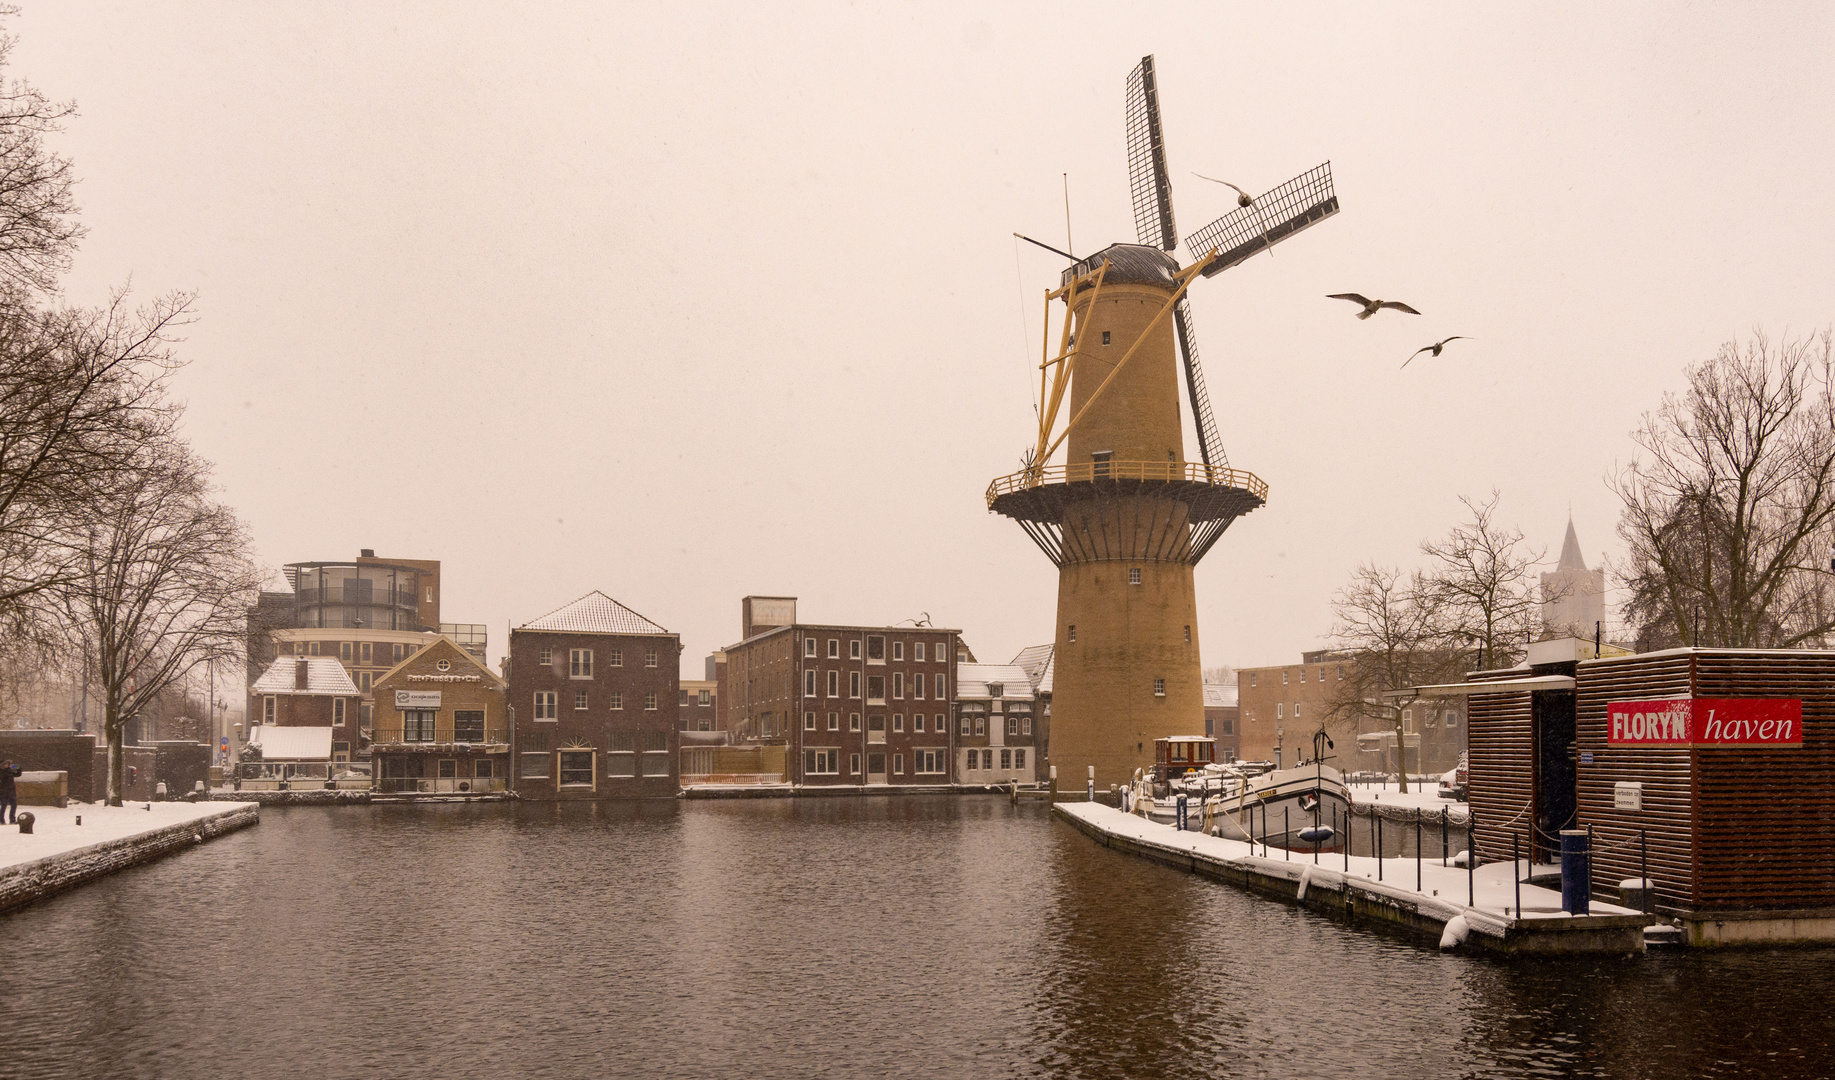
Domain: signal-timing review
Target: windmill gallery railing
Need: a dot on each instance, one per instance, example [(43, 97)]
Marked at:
[(1043, 499)]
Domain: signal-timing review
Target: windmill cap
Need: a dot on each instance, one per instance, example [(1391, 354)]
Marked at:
[(1129, 264)]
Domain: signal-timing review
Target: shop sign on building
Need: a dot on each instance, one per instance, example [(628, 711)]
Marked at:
[(417, 699), (1706, 723)]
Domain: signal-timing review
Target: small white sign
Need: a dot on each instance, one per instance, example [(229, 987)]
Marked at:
[(417, 699), (1628, 795)]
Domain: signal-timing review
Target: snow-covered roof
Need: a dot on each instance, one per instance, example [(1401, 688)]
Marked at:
[(972, 681), (324, 675), (595, 613), (291, 743), (1039, 663), (1220, 695)]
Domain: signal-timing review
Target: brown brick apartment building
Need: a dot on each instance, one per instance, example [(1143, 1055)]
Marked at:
[(309, 691), (594, 689), (1281, 707), (997, 725), (853, 705), (442, 725)]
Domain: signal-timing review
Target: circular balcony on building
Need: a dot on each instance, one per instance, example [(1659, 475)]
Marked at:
[(1212, 497)]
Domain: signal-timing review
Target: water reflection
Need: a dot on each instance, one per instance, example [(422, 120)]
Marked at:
[(892, 936)]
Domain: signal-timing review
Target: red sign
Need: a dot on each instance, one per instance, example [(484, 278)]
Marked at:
[(1706, 723)]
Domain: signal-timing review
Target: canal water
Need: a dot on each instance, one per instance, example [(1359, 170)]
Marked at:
[(898, 936)]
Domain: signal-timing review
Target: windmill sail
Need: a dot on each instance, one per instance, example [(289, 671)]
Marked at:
[(1147, 179), (1210, 445), (1277, 214)]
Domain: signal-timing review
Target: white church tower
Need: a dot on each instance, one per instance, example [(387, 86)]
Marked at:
[(1573, 597)]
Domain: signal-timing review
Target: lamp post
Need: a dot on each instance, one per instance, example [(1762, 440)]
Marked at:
[(1280, 744)]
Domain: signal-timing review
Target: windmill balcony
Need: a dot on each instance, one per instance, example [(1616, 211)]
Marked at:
[(1207, 497), (1189, 472)]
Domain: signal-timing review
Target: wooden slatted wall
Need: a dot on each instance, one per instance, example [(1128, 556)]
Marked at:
[(1765, 819), (1499, 767), (1667, 776)]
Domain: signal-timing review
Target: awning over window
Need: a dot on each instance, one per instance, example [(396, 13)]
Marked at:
[(1499, 686)]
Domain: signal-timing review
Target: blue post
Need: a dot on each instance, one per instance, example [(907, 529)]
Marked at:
[(1576, 872), (1181, 807)]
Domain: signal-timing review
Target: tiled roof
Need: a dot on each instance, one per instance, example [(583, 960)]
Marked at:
[(1220, 695), (595, 613), (324, 675), (1039, 662), (972, 681)]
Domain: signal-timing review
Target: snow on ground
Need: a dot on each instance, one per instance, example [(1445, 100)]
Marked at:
[(55, 831), (1424, 794), (1443, 889)]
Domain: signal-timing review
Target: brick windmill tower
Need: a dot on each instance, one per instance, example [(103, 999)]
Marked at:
[(1124, 516)]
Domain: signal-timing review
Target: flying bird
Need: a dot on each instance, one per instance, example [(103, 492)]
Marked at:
[(1242, 197), (1370, 307), (1436, 347)]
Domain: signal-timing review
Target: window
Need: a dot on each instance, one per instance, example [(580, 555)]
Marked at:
[(468, 725), (443, 665), (363, 720), (1025, 724), (656, 753), (917, 687), (917, 722), (898, 721), (809, 721), (942, 728), (1006, 759), (1228, 727), (942, 687), (681, 698), (449, 769), (704, 698), (917, 652), (1019, 759), (547, 660), (834, 648), (1073, 631), (928, 761), (579, 701), (964, 723), (1188, 633), (898, 764), (399, 653), (482, 768), (809, 646), (876, 722), (834, 684), (1105, 337), (853, 721), (1159, 688), (1296, 710), (1452, 719), (1134, 575), (1321, 674), (1013, 725), (826, 762), (340, 751), (898, 684), (981, 725), (1340, 672), (853, 764), (367, 652), (577, 768), (876, 688), (1251, 678), (544, 706), (1280, 710), (809, 683), (853, 649), (614, 657), (344, 651), (617, 702), (853, 684), (649, 658), (1408, 722), (579, 663), (876, 649), (364, 680), (337, 712), (649, 702), (535, 766), (417, 725), (834, 721), (1283, 678), (621, 758), (268, 706), (898, 650)]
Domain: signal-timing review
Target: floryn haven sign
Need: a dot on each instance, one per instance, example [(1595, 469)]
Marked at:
[(1706, 723)]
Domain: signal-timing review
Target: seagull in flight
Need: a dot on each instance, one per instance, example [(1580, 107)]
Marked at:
[(1371, 307), (1242, 197), (1436, 347)]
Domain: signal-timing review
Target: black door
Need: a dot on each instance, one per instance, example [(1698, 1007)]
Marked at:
[(1554, 779)]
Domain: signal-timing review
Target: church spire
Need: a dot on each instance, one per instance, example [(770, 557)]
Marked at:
[(1570, 550)]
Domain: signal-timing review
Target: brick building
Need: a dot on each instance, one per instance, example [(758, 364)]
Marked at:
[(310, 691), (594, 690), (995, 735), (1222, 716), (852, 705), (1281, 707), (697, 705), (442, 725)]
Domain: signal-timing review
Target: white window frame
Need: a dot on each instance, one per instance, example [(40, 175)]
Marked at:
[(917, 652), (547, 707), (898, 650), (617, 702), (546, 657), (822, 761), (270, 709), (579, 663), (649, 658), (614, 658), (1134, 575), (592, 766), (942, 693), (809, 647), (1159, 688), (809, 682), (649, 703), (834, 648), (581, 701), (809, 721)]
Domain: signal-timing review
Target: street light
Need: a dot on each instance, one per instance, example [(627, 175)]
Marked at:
[(1280, 743)]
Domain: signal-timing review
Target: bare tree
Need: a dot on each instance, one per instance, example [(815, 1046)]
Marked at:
[(167, 580), (38, 227), (1482, 585), (1729, 513), (1393, 626)]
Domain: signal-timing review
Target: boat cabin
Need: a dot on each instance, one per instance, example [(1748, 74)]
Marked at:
[(1177, 755)]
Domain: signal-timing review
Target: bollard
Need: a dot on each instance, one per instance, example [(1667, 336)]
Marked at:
[(1090, 794), (1471, 860), (1643, 870), (1417, 849), (1286, 836), (1443, 835), (1377, 820), (1576, 872), (25, 822), (1180, 813), (1347, 836), (1516, 875), (1054, 784)]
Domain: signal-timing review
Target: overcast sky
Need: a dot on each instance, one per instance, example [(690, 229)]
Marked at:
[(687, 303)]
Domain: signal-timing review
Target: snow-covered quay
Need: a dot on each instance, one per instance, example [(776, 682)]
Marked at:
[(1381, 891), (60, 854)]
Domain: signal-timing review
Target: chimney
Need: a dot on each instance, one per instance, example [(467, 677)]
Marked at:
[(299, 674), (367, 553)]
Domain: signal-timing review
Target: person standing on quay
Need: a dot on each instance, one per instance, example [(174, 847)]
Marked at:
[(9, 795)]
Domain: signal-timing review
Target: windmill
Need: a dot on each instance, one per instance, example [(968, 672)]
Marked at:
[(1124, 517)]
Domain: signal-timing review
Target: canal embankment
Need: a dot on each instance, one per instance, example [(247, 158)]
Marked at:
[(1485, 909), (71, 845)]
